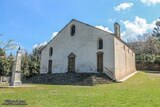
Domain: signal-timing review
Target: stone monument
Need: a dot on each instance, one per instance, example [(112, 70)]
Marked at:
[(16, 72)]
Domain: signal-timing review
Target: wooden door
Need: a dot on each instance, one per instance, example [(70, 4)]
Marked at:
[(50, 66), (71, 64), (100, 62)]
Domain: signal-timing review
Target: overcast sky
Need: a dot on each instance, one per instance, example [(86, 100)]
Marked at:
[(34, 22)]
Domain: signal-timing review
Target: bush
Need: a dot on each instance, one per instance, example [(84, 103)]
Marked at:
[(157, 60), (4, 66)]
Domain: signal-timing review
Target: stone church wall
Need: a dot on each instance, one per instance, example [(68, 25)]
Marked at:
[(118, 59), (84, 45), (124, 60)]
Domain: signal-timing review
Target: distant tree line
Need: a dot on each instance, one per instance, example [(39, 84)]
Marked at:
[(147, 49), (30, 64)]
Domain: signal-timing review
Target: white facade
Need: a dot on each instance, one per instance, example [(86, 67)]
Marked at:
[(84, 45)]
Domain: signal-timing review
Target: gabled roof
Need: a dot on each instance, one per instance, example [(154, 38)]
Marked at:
[(68, 24), (92, 27)]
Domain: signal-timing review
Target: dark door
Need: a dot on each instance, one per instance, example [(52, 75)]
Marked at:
[(71, 64), (50, 66), (100, 62)]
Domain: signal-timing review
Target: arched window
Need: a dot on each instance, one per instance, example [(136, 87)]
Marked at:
[(100, 44), (50, 51), (73, 30)]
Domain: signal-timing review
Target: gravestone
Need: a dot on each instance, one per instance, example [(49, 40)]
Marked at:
[(16, 72)]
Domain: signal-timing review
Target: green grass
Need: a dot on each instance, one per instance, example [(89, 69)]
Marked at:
[(142, 90)]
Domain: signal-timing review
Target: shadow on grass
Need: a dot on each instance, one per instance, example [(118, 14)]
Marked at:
[(64, 84)]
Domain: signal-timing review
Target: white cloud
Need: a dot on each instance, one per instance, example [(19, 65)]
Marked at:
[(111, 20), (54, 34), (150, 2), (123, 6), (138, 27), (104, 28), (41, 44), (35, 45), (45, 42)]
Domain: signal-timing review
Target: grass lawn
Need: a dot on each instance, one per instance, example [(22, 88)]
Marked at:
[(141, 90)]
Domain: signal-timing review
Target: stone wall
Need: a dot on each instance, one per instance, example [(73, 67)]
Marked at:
[(70, 79), (124, 60), (4, 78)]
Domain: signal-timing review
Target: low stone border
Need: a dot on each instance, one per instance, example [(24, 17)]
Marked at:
[(23, 85), (127, 77)]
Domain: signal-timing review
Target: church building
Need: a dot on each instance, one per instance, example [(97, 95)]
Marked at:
[(82, 48)]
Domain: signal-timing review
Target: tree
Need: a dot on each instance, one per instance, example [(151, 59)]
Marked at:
[(147, 50), (4, 64), (25, 65), (11, 63), (31, 62), (37, 51), (2, 52), (156, 30), (34, 62), (9, 45), (34, 65), (152, 46)]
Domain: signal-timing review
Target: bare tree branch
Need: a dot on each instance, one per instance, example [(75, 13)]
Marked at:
[(9, 45)]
